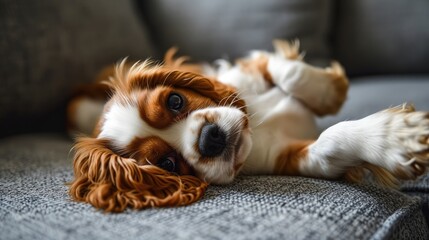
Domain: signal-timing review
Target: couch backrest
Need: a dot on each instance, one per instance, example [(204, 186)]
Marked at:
[(48, 47), (382, 36), (212, 29), (367, 36)]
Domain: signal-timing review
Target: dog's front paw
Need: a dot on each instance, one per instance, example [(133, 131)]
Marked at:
[(407, 141)]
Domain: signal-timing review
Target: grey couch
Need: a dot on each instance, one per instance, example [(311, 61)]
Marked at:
[(48, 47)]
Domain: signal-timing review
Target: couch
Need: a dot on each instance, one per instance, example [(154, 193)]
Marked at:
[(50, 47)]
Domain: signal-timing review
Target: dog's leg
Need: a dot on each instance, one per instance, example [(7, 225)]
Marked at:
[(323, 90), (87, 103), (395, 140)]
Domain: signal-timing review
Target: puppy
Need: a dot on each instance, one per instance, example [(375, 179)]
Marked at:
[(162, 132)]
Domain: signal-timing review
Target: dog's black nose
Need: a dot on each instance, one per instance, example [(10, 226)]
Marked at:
[(212, 140)]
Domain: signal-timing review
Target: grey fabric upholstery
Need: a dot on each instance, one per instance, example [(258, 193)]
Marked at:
[(34, 202), (229, 29), (371, 94), (420, 189), (382, 36), (47, 47)]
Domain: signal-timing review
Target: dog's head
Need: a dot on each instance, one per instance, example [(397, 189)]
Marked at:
[(163, 136)]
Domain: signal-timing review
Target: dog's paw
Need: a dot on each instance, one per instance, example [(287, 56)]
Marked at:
[(406, 142), (288, 49)]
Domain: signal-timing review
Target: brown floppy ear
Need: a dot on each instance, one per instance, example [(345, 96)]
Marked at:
[(219, 92), (110, 182), (142, 77)]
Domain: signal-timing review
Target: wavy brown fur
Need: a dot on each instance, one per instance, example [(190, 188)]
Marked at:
[(381, 175), (147, 76), (113, 183), (110, 182)]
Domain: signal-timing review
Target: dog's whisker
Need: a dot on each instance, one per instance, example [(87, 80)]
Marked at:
[(251, 116), (258, 124)]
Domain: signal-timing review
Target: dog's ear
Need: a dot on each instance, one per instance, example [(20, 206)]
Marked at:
[(221, 94), (113, 183)]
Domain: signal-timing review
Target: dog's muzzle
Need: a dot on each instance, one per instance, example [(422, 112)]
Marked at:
[(212, 140)]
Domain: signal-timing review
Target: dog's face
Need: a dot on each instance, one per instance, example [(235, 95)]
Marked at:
[(159, 118), (178, 129)]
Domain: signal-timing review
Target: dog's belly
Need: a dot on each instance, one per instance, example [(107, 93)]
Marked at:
[(276, 119)]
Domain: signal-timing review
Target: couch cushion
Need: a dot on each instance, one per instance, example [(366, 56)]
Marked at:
[(49, 46), (368, 95), (383, 36), (208, 30), (419, 188), (34, 202)]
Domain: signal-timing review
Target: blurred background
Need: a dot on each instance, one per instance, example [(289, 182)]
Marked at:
[(49, 47)]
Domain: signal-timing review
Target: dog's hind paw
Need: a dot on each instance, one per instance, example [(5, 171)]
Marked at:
[(407, 139)]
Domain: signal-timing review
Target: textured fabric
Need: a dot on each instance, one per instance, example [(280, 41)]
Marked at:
[(48, 46), (208, 30), (419, 188), (34, 204), (382, 36)]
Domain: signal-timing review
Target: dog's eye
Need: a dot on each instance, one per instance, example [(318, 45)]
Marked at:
[(175, 102), (167, 163)]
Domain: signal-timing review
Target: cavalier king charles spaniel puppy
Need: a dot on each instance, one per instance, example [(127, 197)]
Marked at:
[(160, 133)]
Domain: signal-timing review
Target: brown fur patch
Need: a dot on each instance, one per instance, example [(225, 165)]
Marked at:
[(381, 175), (113, 183), (237, 167), (288, 49), (148, 151), (147, 76), (416, 170), (340, 84), (355, 174), (287, 162), (258, 66), (153, 105), (153, 109)]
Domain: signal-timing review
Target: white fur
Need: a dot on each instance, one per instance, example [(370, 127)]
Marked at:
[(278, 116), (385, 139), (274, 127), (219, 170), (247, 84), (122, 124)]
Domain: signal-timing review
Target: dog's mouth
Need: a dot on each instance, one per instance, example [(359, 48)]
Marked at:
[(223, 168), (221, 142)]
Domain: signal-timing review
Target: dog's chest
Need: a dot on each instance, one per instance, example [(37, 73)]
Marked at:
[(276, 120)]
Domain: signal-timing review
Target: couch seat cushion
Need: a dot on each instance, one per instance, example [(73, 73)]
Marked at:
[(34, 171), (371, 94)]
